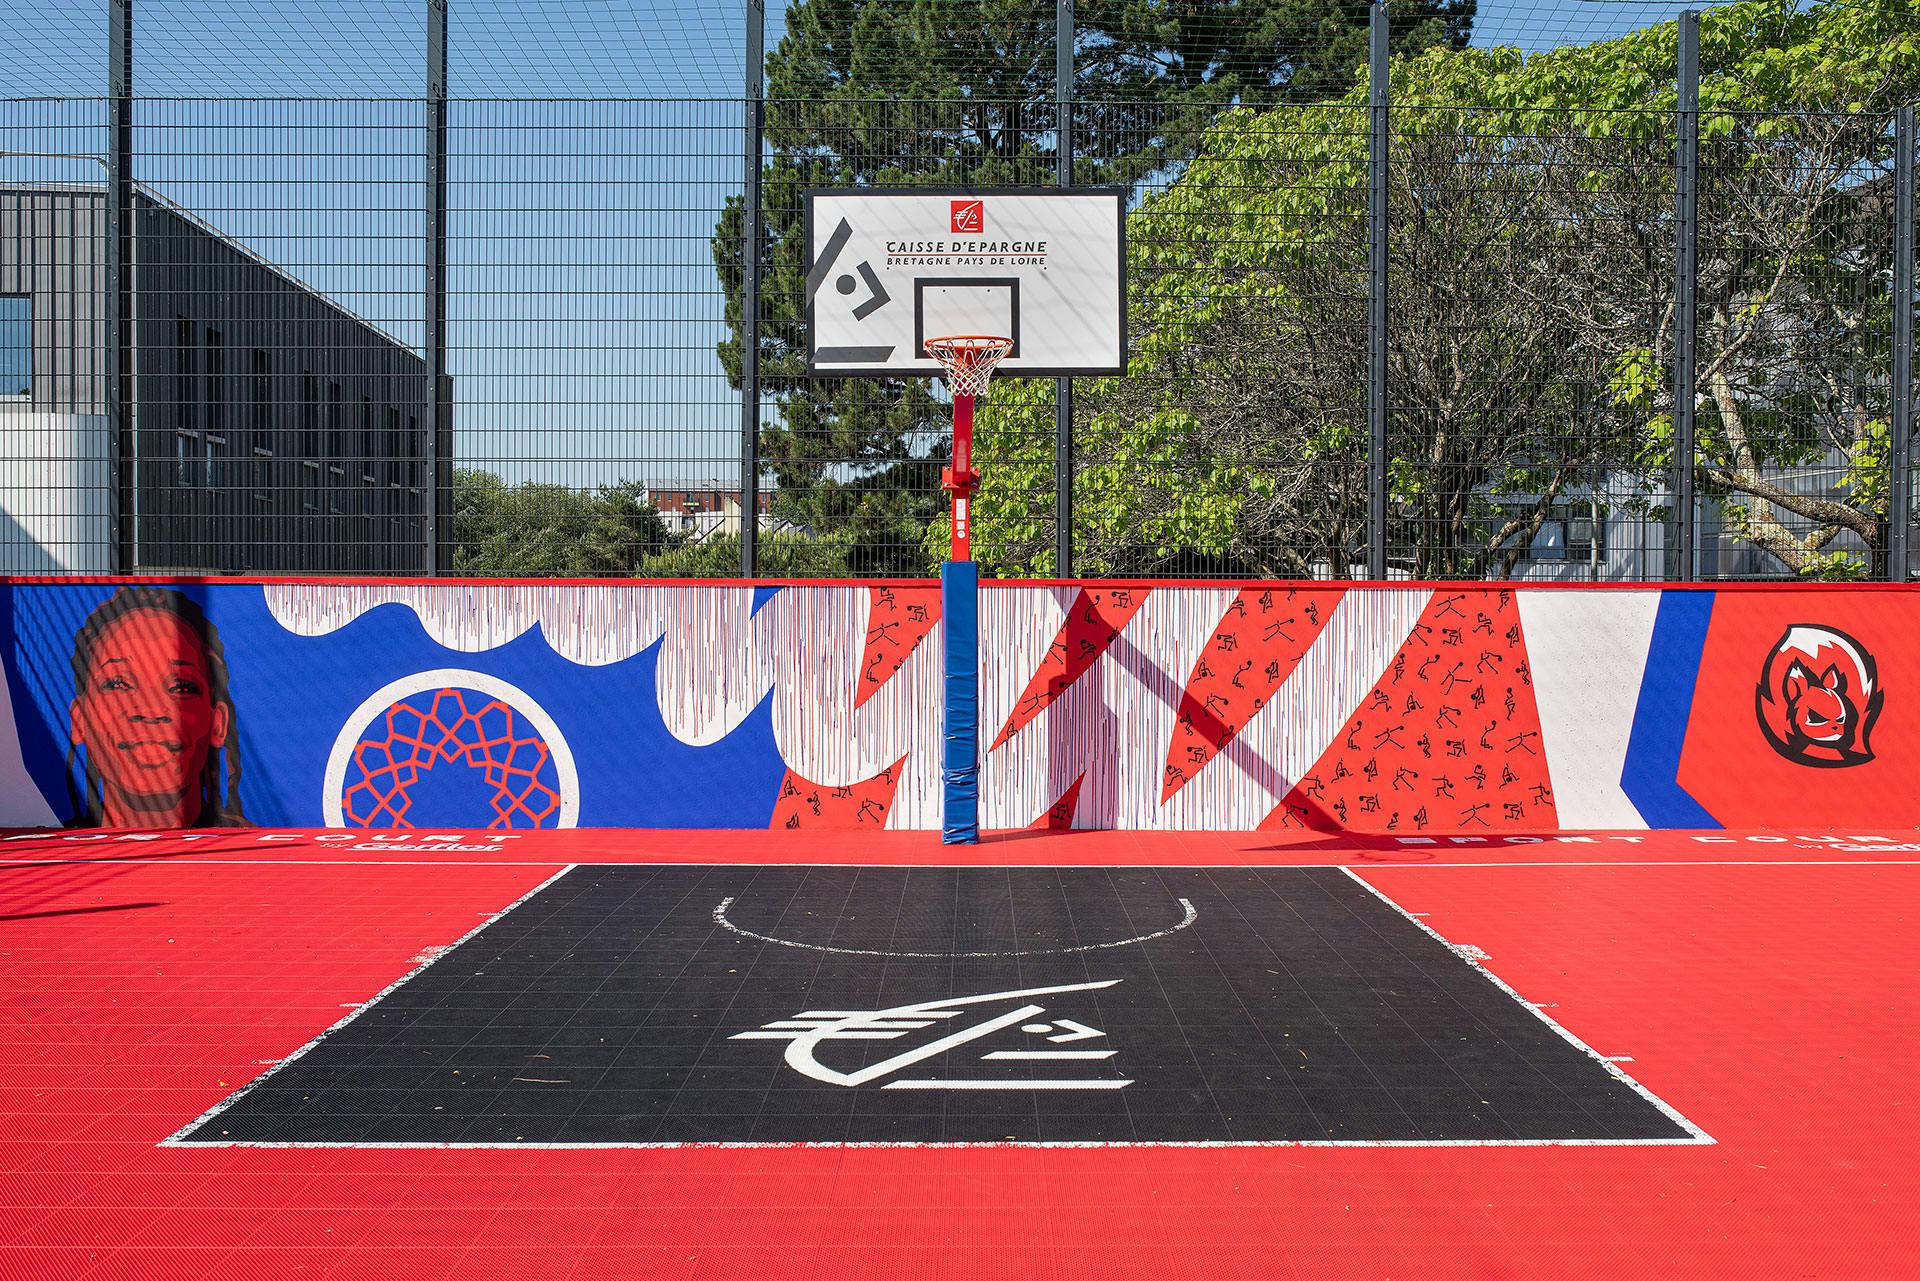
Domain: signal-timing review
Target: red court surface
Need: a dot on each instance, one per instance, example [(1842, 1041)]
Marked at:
[(1758, 983)]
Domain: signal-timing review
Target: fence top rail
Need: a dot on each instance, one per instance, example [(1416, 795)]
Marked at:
[(1036, 101)]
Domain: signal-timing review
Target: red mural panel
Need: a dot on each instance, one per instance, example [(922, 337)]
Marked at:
[(1448, 739), (1259, 641), (1097, 616), (1804, 706), (897, 620), (803, 804), (1059, 815)]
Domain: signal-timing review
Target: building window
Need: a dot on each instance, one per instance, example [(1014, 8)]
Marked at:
[(216, 465), (260, 426), (1573, 533), (216, 383), (186, 407), (336, 444), (309, 447), (366, 448), (186, 458), (394, 448), (310, 444), (216, 402), (261, 409), (16, 346), (262, 474), (1586, 536)]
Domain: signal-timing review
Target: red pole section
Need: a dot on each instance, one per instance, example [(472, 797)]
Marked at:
[(960, 477)]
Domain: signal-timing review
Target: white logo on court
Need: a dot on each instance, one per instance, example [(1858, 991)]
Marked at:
[(808, 1032)]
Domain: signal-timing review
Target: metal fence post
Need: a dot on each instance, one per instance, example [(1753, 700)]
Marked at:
[(1900, 456), (1686, 271), (1377, 142), (436, 285), (122, 442), (750, 291), (1063, 387)]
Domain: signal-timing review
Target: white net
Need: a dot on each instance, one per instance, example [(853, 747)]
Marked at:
[(969, 360)]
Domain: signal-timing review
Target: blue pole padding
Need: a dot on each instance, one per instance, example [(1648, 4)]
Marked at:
[(960, 727)]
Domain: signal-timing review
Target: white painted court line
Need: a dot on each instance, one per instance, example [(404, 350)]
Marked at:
[(431, 956), (1611, 1065), (1694, 1137), (761, 1145), (1050, 1086), (720, 919)]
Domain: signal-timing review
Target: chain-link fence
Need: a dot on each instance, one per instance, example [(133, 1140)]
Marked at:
[(324, 336)]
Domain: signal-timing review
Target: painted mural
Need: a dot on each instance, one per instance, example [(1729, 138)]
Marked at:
[(1446, 709)]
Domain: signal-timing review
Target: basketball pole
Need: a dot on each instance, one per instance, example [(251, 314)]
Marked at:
[(960, 612), (959, 478)]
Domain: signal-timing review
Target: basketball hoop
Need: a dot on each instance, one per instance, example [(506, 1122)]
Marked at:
[(969, 360)]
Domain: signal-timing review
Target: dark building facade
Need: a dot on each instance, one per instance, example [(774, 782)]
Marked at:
[(273, 430)]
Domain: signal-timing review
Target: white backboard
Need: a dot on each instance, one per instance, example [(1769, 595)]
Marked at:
[(888, 269)]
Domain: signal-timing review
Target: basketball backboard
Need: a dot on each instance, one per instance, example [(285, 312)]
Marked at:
[(889, 269)]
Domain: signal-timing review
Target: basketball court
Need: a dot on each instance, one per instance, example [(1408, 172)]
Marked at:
[(1333, 982), (276, 1053)]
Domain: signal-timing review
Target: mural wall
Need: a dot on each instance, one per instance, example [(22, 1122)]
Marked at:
[(1449, 709)]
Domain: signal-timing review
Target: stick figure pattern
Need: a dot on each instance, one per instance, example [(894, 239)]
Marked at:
[(897, 621), (1260, 640), (1095, 621), (803, 804), (1448, 739)]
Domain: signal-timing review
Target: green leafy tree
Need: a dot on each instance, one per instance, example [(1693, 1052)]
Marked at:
[(1530, 254), (533, 530), (782, 555), (932, 92)]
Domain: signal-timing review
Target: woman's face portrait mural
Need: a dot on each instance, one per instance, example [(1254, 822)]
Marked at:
[(151, 721)]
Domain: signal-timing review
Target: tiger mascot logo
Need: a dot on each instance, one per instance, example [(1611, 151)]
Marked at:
[(1818, 698)]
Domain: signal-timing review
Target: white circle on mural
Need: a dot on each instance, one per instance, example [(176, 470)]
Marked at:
[(383, 700)]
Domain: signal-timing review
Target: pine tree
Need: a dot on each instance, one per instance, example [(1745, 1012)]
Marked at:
[(961, 92)]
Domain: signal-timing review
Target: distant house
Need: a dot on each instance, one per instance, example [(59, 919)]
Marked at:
[(700, 514), (275, 431)]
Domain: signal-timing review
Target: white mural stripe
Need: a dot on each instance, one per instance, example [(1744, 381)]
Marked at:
[(1587, 651), (21, 804), (1242, 785)]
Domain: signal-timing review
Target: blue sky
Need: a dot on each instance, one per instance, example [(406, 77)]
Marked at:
[(584, 309)]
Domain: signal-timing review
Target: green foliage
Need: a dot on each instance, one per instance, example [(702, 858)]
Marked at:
[(1868, 479), (532, 530), (781, 556), (1530, 253), (936, 92), (1835, 567)]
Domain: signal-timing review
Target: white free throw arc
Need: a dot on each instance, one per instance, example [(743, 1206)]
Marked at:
[(720, 919)]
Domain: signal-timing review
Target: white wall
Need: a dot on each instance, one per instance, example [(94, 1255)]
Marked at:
[(55, 487)]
